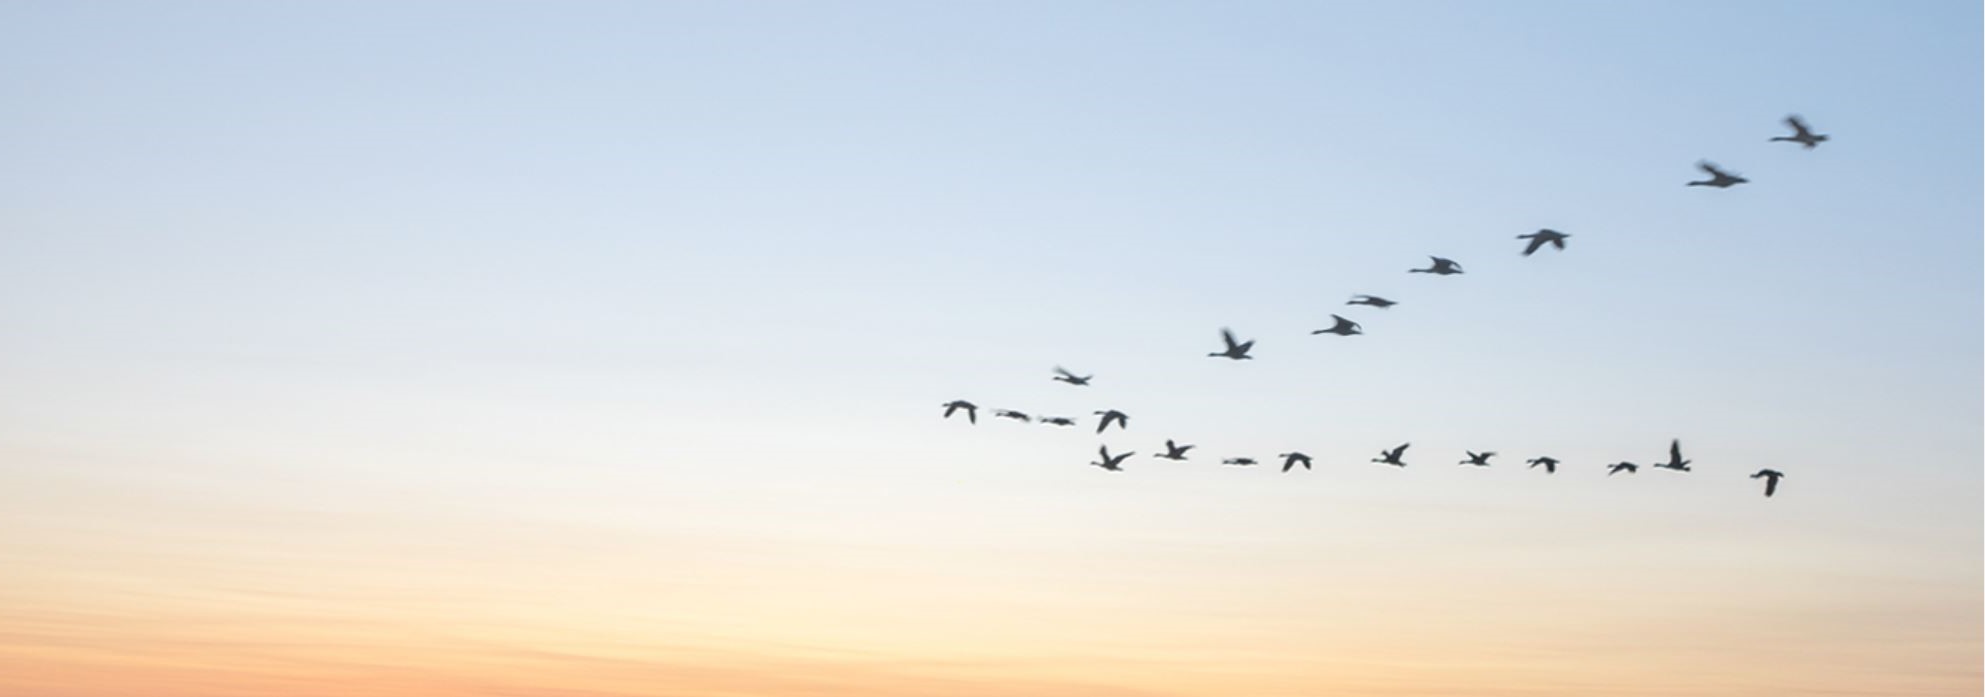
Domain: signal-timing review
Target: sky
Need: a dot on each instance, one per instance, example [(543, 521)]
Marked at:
[(596, 349)]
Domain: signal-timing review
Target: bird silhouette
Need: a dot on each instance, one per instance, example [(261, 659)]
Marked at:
[(1619, 467), (1543, 237), (1675, 461), (1803, 136), (971, 410), (1477, 459), (1391, 457), (1771, 476), (1243, 461), (1122, 420), (1011, 414), (1057, 421), (1550, 464), (1372, 300), (1442, 267), (1173, 451), (1290, 460), (1109, 462), (1236, 351), (1344, 327), (1071, 378), (1718, 178)]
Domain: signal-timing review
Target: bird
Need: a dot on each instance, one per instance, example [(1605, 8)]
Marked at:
[(1011, 414), (1290, 460), (1803, 136), (1718, 178), (1550, 464), (971, 410), (1236, 351), (1173, 451), (1477, 459), (1071, 378), (1675, 461), (1771, 476), (1619, 467), (1239, 461), (1442, 267), (1372, 300), (1057, 421), (1543, 237), (1391, 457), (1111, 463), (1122, 420), (1344, 327)]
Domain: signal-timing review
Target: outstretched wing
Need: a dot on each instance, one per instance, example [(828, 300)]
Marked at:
[(1227, 335), (1536, 243), (1675, 450), (1770, 486), (1706, 166), (1799, 126)]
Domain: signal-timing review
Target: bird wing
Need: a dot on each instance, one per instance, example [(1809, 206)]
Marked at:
[(1064, 372), (1798, 125), (1706, 166), (1243, 348), (1675, 451), (1536, 243), (1227, 335)]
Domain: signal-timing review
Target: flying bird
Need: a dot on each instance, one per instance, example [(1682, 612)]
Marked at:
[(1442, 267), (1244, 461), (1011, 414), (1803, 136), (1771, 476), (1071, 378), (1477, 459), (1344, 327), (1122, 420), (1109, 462), (1236, 351), (1550, 464), (1718, 178), (1675, 461), (971, 410), (1057, 421), (1290, 460), (1173, 451), (1391, 457), (1619, 467), (1372, 300), (1543, 237)]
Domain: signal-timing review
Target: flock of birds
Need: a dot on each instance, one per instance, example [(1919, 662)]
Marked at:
[(1235, 349)]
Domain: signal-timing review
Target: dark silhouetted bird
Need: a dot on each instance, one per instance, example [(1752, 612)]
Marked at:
[(1071, 378), (1109, 462), (1443, 267), (1057, 421), (1173, 451), (1717, 178), (1391, 457), (971, 410), (1122, 420), (1372, 300), (1675, 461), (1243, 461), (1543, 237), (1236, 351), (1619, 467), (1290, 460), (1477, 459), (1344, 327), (1803, 136), (1011, 414), (1550, 464), (1771, 476)]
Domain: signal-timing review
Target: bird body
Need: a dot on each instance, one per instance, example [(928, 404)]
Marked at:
[(1344, 327), (1803, 136), (1543, 237), (1550, 464), (1110, 462), (1477, 459), (1391, 457), (1290, 460), (971, 410), (1121, 419), (1011, 414), (1441, 267), (1717, 177), (1675, 461), (1071, 378), (1619, 467), (1243, 461), (1235, 350), (1771, 477), (1173, 451), (1057, 421), (1372, 300)]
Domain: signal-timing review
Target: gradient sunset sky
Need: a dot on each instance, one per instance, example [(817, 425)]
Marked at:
[(546, 349)]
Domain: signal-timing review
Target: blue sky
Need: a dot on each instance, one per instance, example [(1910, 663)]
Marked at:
[(708, 269)]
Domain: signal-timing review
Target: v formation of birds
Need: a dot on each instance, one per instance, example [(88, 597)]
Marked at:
[(1233, 348)]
